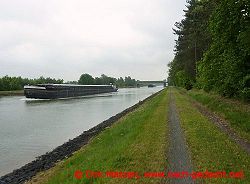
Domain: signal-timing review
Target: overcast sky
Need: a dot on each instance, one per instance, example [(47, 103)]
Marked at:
[(63, 39)]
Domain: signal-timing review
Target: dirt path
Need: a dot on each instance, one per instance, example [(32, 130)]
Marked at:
[(224, 126), (179, 158), (221, 123)]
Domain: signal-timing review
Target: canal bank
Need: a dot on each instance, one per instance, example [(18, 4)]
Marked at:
[(12, 93), (48, 160)]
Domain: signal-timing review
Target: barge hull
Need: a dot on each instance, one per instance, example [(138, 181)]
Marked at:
[(65, 91)]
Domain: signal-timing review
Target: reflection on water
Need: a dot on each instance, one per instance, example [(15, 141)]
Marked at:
[(31, 127)]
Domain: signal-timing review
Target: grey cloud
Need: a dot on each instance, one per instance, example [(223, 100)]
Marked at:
[(63, 39)]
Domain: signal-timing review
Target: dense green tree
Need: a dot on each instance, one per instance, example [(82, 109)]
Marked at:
[(226, 65), (107, 80), (212, 51), (193, 40), (130, 82), (86, 79), (120, 82), (16, 83), (98, 81)]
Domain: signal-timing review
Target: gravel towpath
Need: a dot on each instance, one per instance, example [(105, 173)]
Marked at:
[(179, 158)]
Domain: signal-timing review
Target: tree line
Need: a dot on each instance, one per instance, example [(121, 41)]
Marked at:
[(212, 51), (105, 80), (8, 83)]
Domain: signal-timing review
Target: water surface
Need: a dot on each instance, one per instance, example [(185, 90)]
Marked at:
[(30, 128)]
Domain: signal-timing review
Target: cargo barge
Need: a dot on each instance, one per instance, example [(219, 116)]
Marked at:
[(54, 91)]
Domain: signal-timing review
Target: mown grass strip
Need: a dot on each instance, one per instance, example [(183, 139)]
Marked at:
[(210, 148), (235, 112), (137, 142)]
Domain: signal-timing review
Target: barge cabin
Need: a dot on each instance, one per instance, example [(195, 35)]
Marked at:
[(53, 91)]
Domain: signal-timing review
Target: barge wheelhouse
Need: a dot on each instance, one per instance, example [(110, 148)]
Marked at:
[(53, 91)]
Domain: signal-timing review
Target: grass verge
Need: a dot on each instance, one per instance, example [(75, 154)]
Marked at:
[(235, 112), (137, 143), (210, 148)]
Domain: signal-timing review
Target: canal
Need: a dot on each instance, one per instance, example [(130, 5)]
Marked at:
[(30, 128)]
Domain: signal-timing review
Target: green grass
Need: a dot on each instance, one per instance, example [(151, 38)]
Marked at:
[(137, 142), (210, 148), (235, 112), (11, 93)]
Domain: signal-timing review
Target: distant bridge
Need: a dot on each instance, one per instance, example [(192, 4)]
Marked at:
[(156, 83)]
